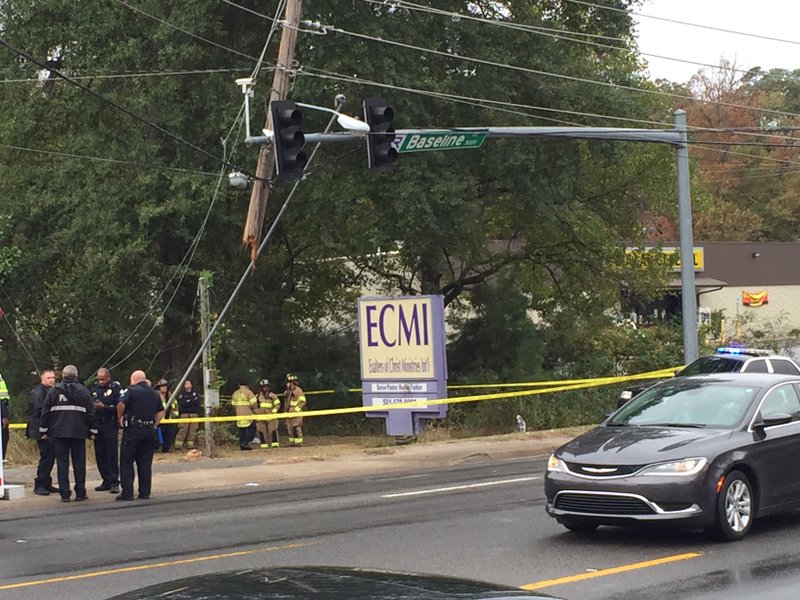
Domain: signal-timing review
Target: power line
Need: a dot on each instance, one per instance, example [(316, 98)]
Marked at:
[(273, 28), (560, 34), (187, 258), (325, 29), (237, 124), (519, 68), (358, 80), (102, 98), (685, 23), (498, 105), (107, 160), (4, 315), (189, 33), (128, 75), (735, 153), (745, 178), (763, 144)]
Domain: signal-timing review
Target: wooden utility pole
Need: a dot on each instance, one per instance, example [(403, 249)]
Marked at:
[(210, 391), (266, 155)]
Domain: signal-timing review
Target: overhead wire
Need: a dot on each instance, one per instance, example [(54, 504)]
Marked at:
[(107, 160), (237, 125), (560, 34), (498, 105), (4, 315), (250, 266), (543, 73), (326, 28), (128, 5), (134, 75), (685, 23), (104, 99), (473, 101), (184, 265), (695, 143)]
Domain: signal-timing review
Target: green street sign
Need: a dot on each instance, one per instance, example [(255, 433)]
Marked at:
[(431, 141)]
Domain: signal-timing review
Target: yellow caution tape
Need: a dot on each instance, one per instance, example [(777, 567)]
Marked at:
[(542, 387)]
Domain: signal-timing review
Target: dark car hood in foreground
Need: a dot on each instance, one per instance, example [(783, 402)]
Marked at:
[(633, 445), (324, 583)]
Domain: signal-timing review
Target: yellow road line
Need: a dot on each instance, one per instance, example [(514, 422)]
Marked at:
[(612, 571), (171, 563)]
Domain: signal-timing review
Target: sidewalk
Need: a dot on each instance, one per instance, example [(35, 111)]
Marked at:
[(179, 472)]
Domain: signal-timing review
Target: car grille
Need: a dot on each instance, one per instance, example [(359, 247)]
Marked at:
[(602, 504), (603, 470)]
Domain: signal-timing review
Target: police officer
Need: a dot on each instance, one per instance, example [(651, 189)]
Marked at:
[(268, 404), (294, 403), (43, 484), (105, 395), (139, 412), (68, 418)]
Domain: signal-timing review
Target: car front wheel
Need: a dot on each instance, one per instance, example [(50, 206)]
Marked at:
[(735, 507)]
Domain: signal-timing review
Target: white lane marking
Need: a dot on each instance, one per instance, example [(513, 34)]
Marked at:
[(459, 487)]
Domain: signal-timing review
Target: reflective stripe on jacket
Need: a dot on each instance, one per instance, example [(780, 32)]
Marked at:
[(297, 399), (244, 403)]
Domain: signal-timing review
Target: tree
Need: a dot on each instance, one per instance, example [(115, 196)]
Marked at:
[(103, 246), (747, 179)]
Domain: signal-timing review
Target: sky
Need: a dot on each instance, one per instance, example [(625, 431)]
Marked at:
[(772, 18)]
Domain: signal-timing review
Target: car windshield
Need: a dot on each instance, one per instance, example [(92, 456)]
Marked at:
[(688, 404), (711, 364)]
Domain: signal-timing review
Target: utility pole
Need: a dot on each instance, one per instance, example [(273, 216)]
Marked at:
[(210, 393), (688, 290), (266, 155)]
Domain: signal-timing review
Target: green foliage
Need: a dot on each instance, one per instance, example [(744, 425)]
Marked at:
[(90, 249), (500, 343)]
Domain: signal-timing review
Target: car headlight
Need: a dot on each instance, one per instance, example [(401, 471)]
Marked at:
[(687, 466), (556, 464)]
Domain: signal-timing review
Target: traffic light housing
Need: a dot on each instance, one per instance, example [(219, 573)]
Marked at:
[(289, 140), (381, 155)]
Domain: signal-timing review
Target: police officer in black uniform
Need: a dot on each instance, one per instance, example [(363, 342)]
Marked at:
[(139, 412), (105, 395), (68, 418), (43, 484)]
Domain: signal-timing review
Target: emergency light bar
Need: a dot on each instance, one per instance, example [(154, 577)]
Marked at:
[(748, 351)]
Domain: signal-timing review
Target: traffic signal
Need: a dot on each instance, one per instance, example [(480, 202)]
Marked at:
[(289, 140), (381, 156)]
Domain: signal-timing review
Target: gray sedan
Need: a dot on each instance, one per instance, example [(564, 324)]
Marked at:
[(713, 451)]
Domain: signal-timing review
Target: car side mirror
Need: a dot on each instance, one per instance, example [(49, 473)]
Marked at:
[(774, 419)]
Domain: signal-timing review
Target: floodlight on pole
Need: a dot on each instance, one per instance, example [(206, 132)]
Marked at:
[(346, 121)]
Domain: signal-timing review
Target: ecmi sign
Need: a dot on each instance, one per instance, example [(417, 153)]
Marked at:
[(402, 344)]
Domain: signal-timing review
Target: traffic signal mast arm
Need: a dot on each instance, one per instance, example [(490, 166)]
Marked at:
[(664, 136)]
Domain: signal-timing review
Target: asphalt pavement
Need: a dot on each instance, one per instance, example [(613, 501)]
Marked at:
[(183, 472), (474, 510)]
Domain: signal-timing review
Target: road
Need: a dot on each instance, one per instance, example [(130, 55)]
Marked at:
[(482, 521)]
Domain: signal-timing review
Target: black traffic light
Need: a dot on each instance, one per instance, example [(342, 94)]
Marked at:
[(381, 156), (289, 140)]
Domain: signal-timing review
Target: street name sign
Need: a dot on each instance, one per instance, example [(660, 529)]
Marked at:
[(431, 141)]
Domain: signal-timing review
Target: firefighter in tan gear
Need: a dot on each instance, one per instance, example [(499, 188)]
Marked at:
[(268, 404), (294, 402), (244, 404)]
